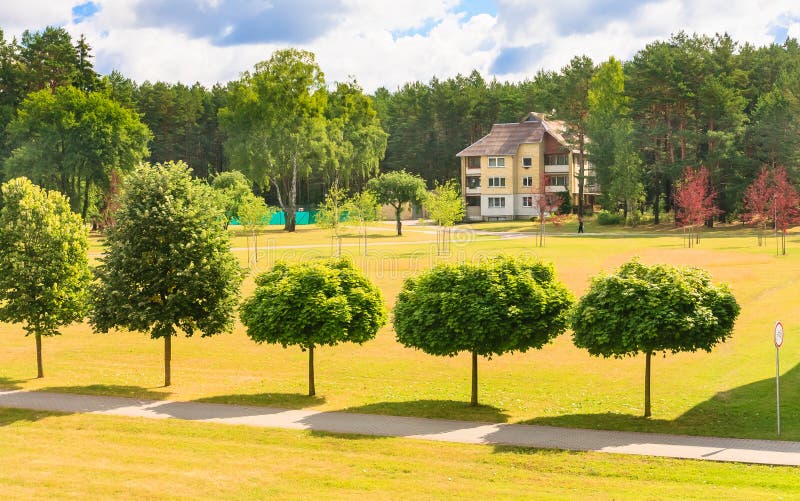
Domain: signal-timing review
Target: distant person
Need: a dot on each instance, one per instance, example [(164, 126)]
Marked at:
[(580, 225)]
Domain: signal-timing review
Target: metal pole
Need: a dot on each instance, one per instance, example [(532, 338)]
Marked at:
[(778, 386)]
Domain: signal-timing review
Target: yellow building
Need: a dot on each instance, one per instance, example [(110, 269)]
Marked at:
[(503, 173)]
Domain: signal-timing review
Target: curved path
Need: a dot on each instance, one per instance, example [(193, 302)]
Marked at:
[(471, 432)]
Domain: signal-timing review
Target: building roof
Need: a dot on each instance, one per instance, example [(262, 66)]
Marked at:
[(504, 139)]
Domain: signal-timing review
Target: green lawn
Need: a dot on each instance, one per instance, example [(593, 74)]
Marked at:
[(51, 456), (728, 392)]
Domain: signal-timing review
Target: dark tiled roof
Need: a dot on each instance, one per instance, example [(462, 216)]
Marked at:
[(504, 139)]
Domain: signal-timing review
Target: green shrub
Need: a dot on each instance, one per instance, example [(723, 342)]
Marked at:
[(607, 218)]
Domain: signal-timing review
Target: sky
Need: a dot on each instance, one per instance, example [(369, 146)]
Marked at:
[(385, 42)]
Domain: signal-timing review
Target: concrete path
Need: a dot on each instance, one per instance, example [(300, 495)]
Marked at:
[(470, 432)]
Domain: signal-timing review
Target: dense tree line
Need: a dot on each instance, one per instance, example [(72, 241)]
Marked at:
[(690, 100)]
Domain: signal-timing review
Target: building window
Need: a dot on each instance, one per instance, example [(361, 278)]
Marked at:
[(497, 182), (527, 201), (556, 159), (527, 181), (473, 182), (527, 162), (556, 180), (497, 161), (473, 201), (497, 202), (473, 162)]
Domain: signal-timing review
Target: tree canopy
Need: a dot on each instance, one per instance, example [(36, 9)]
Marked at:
[(167, 264), (647, 309), (71, 141), (498, 306), (398, 188), (318, 303), (44, 270), (276, 126)]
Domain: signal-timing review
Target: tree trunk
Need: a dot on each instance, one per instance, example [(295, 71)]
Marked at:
[(647, 385), (397, 213), (474, 398), (39, 368), (311, 390), (167, 360), (85, 208), (656, 208), (581, 173)]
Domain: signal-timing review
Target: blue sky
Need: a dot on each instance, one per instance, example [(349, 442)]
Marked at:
[(386, 42)]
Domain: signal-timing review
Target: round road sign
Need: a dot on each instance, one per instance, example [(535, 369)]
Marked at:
[(778, 334)]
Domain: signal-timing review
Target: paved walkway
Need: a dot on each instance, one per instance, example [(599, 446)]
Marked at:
[(470, 432)]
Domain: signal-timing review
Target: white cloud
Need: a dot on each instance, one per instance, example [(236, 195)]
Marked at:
[(387, 43)]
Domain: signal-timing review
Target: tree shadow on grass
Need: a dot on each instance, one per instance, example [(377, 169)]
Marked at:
[(10, 416), (7, 383), (137, 392), (434, 409), (747, 411), (283, 400), (416, 418)]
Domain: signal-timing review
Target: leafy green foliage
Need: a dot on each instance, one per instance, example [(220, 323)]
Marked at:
[(502, 305), (654, 308), (606, 218), (44, 271), (167, 263), (276, 125), (71, 141), (232, 188), (398, 188), (355, 130), (647, 309), (445, 204), (319, 303)]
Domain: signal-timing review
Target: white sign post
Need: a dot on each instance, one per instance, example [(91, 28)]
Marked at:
[(778, 338)]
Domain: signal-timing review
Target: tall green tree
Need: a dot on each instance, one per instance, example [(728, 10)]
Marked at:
[(647, 309), (354, 127), (398, 189), (71, 141), (44, 270), (168, 265), (321, 303), (275, 124), (611, 149), (499, 306), (573, 109)]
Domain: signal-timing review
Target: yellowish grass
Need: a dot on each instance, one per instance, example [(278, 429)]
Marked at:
[(727, 392), (48, 456)]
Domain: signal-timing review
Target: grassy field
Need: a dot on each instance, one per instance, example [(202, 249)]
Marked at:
[(50, 456), (729, 392)]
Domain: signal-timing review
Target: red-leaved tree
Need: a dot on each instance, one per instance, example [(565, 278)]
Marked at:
[(785, 204), (758, 203), (694, 201)]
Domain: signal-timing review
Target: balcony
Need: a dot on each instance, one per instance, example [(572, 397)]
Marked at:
[(473, 191), (555, 189), (556, 169)]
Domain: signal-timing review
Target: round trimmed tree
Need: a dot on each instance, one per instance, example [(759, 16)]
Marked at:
[(502, 305), (168, 265), (649, 309), (44, 269), (319, 303)]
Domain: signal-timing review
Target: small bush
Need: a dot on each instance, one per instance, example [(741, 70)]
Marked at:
[(608, 218)]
